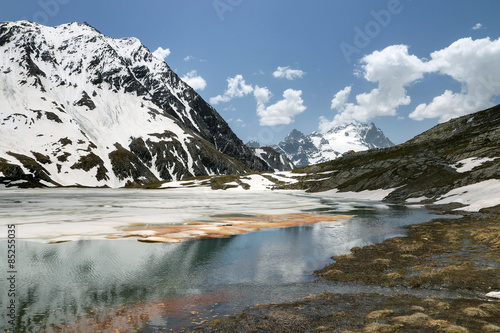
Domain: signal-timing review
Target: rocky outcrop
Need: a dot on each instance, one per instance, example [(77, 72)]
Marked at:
[(275, 160), (429, 165)]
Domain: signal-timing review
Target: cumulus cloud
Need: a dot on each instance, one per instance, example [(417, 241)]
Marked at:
[(340, 99), (288, 73), (469, 62), (161, 53), (477, 26), (283, 111), (393, 70), (236, 87), (194, 80), (262, 95)]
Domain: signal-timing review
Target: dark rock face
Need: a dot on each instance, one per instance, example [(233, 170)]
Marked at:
[(425, 166), (90, 161), (95, 88), (375, 138), (297, 147), (127, 165), (275, 160)]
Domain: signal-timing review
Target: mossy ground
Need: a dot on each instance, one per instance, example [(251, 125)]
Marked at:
[(454, 254), (364, 313)]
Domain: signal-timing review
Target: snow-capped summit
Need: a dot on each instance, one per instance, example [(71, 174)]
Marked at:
[(318, 147), (79, 107)]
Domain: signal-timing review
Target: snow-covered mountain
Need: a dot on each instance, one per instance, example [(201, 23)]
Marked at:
[(78, 107), (318, 147)]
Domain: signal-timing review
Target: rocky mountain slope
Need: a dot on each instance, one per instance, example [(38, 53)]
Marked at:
[(78, 107), (275, 160), (317, 147), (440, 165)]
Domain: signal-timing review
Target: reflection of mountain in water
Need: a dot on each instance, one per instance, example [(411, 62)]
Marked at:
[(83, 278)]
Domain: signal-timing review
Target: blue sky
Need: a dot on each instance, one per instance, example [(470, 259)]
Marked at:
[(269, 66)]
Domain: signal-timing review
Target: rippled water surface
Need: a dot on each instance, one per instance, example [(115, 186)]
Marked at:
[(95, 285)]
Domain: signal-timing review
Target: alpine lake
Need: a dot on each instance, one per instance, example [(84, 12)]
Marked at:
[(71, 277)]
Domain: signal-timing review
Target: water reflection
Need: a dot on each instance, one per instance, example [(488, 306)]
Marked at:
[(93, 285)]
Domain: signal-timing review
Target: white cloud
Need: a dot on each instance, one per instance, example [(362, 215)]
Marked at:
[(236, 87), (288, 73), (469, 62), (340, 99), (194, 80), (477, 26), (189, 58), (161, 53), (393, 69), (283, 111), (262, 95)]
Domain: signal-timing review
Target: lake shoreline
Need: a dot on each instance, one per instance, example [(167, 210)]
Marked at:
[(443, 254)]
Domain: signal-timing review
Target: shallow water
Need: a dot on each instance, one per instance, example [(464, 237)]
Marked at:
[(91, 285)]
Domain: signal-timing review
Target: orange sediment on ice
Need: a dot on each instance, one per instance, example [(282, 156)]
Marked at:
[(224, 226)]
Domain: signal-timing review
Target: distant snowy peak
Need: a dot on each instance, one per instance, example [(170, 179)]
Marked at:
[(78, 107), (318, 147)]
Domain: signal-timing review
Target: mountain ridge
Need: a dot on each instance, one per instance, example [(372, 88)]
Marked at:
[(318, 147), (437, 164), (106, 112)]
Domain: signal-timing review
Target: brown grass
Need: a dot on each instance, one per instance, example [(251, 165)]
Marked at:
[(451, 254), (491, 328), (380, 328), (455, 329), (379, 314), (416, 319), (475, 312), (438, 324), (489, 235)]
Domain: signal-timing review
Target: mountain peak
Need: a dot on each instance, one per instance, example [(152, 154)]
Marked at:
[(319, 147), (295, 135), (92, 110)]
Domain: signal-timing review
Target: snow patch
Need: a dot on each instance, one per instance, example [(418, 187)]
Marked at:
[(257, 182), (468, 164), (475, 197), (415, 200), (493, 294)]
